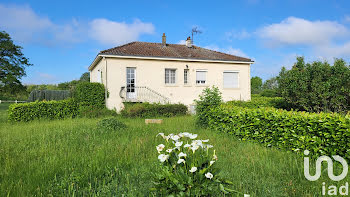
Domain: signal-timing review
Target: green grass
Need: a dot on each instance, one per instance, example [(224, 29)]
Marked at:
[(71, 157)]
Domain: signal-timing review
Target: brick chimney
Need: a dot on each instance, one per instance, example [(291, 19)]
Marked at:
[(163, 40), (189, 42)]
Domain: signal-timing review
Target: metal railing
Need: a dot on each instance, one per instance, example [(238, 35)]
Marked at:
[(142, 94)]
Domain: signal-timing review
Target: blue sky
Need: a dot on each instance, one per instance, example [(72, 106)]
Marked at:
[(61, 38)]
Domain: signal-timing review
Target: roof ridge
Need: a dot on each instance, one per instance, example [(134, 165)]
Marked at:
[(103, 51)]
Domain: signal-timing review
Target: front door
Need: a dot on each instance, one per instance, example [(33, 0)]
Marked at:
[(130, 83)]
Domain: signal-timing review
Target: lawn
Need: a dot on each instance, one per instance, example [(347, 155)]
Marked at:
[(72, 157)]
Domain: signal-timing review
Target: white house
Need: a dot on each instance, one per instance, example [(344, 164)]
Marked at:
[(174, 73)]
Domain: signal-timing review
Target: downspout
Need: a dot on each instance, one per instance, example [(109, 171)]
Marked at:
[(106, 90)]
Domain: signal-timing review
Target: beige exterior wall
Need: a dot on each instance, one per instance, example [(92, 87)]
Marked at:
[(151, 73)]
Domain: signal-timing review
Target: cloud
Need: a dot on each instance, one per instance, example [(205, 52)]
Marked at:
[(334, 50), (347, 19), (26, 26), (234, 35), (228, 50), (111, 32), (298, 31), (183, 42)]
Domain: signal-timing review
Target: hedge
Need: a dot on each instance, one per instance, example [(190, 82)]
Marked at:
[(90, 94), (320, 133), (43, 110), (147, 110), (261, 101)]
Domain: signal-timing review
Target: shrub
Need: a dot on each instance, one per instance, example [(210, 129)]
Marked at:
[(211, 97), (95, 112), (48, 95), (110, 124), (316, 86), (187, 168), (261, 101), (43, 110), (321, 134), (90, 94), (147, 110)]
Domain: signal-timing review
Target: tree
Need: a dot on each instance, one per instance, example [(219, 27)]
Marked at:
[(12, 65), (85, 77), (256, 84), (316, 86)]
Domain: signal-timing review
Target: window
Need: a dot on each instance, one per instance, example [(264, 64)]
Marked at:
[(231, 79), (201, 77), (99, 76), (186, 72), (170, 76)]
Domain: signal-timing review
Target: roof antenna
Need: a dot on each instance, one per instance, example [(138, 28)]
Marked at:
[(196, 31)]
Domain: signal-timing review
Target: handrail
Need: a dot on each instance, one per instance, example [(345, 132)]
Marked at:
[(142, 94)]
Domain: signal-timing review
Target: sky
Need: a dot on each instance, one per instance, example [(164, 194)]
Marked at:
[(62, 38)]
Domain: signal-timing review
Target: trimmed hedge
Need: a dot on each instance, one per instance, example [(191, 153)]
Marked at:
[(43, 110), (321, 134), (147, 110), (95, 112), (90, 94), (261, 101)]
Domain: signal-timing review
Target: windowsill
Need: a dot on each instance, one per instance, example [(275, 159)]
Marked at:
[(202, 85), (171, 85), (231, 88), (187, 85)]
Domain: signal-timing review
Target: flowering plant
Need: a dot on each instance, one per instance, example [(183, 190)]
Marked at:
[(187, 167)]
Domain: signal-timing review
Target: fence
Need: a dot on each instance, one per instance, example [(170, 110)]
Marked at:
[(15, 101)]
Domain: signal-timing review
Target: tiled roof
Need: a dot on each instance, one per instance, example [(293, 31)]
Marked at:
[(147, 49)]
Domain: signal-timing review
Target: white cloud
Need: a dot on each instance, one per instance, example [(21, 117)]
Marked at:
[(111, 32), (347, 19), (183, 42), (228, 50), (298, 31), (334, 50), (240, 35), (26, 26)]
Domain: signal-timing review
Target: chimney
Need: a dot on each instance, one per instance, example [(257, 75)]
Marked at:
[(163, 40), (189, 42)]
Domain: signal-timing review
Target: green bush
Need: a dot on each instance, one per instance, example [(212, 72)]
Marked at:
[(48, 95), (110, 124), (211, 97), (316, 86), (261, 101), (321, 134), (95, 112), (147, 110), (43, 110), (90, 94)]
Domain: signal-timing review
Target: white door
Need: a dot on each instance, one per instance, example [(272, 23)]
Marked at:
[(130, 83)]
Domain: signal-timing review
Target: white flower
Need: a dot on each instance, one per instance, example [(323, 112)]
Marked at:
[(169, 150), (205, 140), (210, 146), (212, 162), (175, 137), (161, 134), (209, 175), (160, 147), (187, 145), (215, 157), (197, 143), (178, 144), (194, 148), (193, 169), (182, 154), (186, 134), (180, 161), (193, 136), (163, 157)]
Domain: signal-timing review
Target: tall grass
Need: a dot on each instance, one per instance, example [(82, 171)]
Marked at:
[(71, 157)]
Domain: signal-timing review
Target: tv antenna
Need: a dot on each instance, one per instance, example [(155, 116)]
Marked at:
[(195, 30)]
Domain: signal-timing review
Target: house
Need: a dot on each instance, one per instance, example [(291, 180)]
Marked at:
[(168, 73)]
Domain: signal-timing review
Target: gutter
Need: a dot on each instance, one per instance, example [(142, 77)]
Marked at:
[(99, 57)]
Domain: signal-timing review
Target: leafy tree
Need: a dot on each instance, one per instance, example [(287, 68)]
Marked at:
[(256, 85), (85, 77), (12, 65), (316, 86)]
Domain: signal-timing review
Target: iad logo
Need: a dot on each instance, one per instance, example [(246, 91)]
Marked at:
[(330, 167), (332, 189)]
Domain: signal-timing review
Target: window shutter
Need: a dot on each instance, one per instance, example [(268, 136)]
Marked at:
[(201, 75), (230, 79)]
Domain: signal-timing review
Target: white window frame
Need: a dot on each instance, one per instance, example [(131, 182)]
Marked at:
[(202, 82), (223, 79), (186, 76), (169, 82)]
